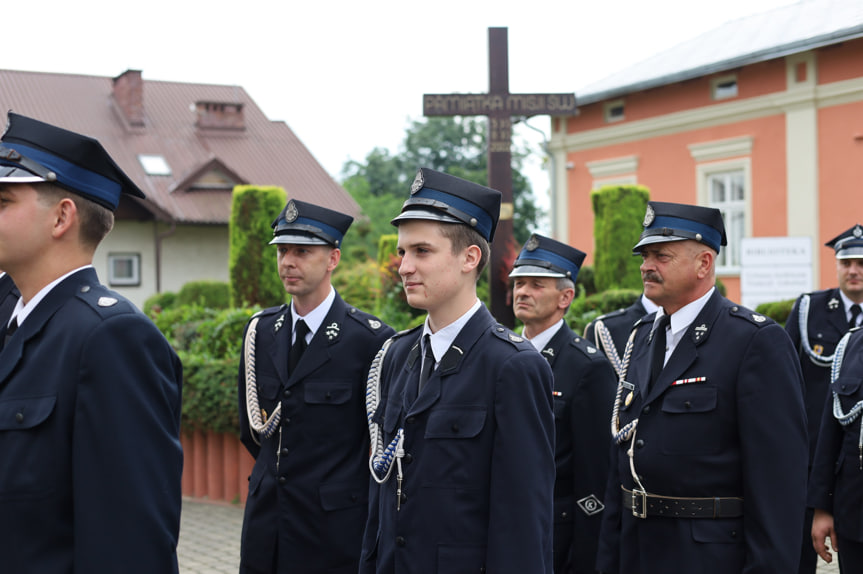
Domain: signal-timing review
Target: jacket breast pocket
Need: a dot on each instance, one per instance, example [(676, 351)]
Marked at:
[(690, 421), (848, 389), (455, 422), (268, 387), (25, 413)]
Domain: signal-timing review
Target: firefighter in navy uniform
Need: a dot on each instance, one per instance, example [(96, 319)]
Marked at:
[(302, 408), (611, 331), (709, 429), (836, 479), (460, 408), (544, 277), (816, 323), (90, 390)]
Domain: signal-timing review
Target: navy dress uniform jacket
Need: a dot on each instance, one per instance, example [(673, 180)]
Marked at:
[(90, 456), (479, 462), (826, 325), (836, 480), (739, 432), (314, 507), (8, 297), (619, 324), (584, 388)]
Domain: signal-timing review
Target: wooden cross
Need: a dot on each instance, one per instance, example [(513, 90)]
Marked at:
[(500, 106)]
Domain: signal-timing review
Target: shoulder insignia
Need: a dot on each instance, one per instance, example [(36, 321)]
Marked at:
[(506, 335), (750, 315), (106, 301), (585, 347), (515, 338), (615, 313), (367, 320), (270, 311)]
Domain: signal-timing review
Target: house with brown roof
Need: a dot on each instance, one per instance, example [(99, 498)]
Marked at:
[(761, 117), (186, 146)]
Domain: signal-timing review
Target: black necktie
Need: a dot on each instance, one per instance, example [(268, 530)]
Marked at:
[(428, 363), (855, 312), (13, 326), (299, 345), (657, 358)]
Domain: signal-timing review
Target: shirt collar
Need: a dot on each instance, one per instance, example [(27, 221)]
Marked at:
[(443, 339), (686, 314), (316, 316), (544, 338)]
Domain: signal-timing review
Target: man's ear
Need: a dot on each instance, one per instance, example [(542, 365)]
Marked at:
[(472, 256), (65, 217)]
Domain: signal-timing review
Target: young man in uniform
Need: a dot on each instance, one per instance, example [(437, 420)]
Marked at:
[(584, 385), (709, 447), (90, 390), (302, 396), (460, 409), (816, 323)]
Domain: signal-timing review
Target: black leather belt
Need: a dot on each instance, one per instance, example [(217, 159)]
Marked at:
[(643, 505)]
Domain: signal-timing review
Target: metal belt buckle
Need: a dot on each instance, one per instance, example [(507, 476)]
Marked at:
[(639, 495)]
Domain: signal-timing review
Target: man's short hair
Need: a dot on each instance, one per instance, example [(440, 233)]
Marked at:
[(95, 220), (564, 283), (462, 237)]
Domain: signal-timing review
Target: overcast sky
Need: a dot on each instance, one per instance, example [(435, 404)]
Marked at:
[(348, 76)]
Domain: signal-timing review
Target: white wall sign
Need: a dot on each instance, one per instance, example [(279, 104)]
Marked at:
[(774, 268)]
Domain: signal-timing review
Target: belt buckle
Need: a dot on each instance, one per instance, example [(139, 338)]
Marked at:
[(636, 496)]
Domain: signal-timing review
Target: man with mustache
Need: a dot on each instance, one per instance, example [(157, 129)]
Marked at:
[(302, 396), (543, 278), (816, 323), (709, 437), (460, 408)]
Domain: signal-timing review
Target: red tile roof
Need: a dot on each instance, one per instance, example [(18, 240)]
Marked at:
[(264, 153)]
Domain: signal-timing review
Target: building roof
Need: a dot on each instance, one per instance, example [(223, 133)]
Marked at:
[(171, 120), (773, 34)]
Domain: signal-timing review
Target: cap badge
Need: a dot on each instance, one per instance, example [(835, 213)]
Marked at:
[(858, 231), (418, 182), (291, 213), (833, 303), (532, 243), (649, 216), (106, 302), (332, 331)]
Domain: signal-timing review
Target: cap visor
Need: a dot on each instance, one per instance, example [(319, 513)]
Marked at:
[(297, 240), (424, 214), (9, 174), (534, 271), (851, 253), (650, 239)]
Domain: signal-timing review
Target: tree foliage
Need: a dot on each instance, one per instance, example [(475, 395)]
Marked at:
[(454, 145), (618, 212)]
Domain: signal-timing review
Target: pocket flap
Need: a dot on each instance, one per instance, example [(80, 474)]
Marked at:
[(455, 422), (25, 413), (690, 400), (268, 387), (329, 393), (845, 386), (343, 495)]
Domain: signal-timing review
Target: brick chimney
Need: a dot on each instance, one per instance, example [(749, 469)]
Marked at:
[(219, 116), (129, 95)]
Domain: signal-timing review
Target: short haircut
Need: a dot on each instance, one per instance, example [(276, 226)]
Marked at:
[(564, 283), (462, 237), (95, 220)]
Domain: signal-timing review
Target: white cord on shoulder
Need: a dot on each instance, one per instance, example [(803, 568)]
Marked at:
[(606, 343), (381, 458), (622, 435), (803, 320), (253, 408), (845, 418)]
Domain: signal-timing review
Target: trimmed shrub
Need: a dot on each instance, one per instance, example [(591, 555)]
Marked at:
[(212, 294), (618, 214), (159, 302), (252, 267), (777, 310)]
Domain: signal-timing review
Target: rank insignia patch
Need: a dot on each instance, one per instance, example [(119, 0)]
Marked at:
[(332, 331), (591, 505)]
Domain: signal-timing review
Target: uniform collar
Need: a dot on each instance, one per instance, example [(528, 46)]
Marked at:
[(541, 340), (21, 311), (316, 316), (685, 315)]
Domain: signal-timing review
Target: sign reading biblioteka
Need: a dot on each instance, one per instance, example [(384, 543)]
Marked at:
[(774, 269)]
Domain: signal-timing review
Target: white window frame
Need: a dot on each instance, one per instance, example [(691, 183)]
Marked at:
[(607, 107), (704, 174), (134, 279), (716, 89), (154, 164)]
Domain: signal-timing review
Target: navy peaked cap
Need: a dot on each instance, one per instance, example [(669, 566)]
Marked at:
[(438, 196), (849, 243), (304, 223), (545, 257), (32, 152), (678, 221)]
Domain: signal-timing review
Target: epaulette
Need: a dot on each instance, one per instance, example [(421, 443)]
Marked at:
[(644, 321), (513, 339), (750, 315), (368, 320), (270, 311), (611, 314), (585, 347), (104, 301)]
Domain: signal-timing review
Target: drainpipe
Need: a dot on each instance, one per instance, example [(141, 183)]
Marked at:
[(158, 244)]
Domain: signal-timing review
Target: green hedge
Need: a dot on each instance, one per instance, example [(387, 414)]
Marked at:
[(212, 294), (618, 216), (585, 309), (777, 310)]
